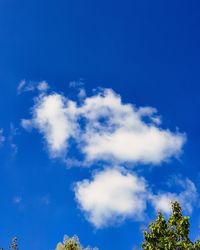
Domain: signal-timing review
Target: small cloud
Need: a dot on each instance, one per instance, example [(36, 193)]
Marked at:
[(43, 86), (25, 86), (112, 196), (76, 84), (162, 201), (54, 116), (21, 86), (82, 93), (27, 124)]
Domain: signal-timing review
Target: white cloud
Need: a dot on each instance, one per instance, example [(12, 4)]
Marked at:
[(21, 86), (162, 201), (26, 124), (114, 195), (108, 129), (76, 84), (25, 86), (53, 116), (148, 146), (42, 86), (82, 93), (124, 135), (111, 196)]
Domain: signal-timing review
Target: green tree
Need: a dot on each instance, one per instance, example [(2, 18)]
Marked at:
[(171, 234), (14, 244), (69, 244), (72, 244)]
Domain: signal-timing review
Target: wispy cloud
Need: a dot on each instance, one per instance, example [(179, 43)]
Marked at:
[(187, 197), (29, 86), (21, 86)]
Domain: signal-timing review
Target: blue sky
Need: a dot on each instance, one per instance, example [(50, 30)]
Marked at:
[(79, 152)]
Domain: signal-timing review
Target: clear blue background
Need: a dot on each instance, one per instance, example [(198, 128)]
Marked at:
[(147, 51)]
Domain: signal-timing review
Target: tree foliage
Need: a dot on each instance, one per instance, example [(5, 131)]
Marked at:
[(171, 234), (13, 245), (72, 244), (162, 234)]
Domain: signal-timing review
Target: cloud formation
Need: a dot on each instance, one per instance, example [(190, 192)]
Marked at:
[(107, 130), (110, 196), (162, 201), (104, 129), (54, 117), (114, 195), (25, 86), (118, 131)]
